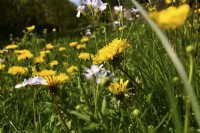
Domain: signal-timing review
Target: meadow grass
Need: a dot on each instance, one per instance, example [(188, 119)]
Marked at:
[(162, 69)]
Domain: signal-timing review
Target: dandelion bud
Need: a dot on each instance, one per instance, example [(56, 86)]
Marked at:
[(190, 49), (136, 112), (79, 107), (175, 79), (105, 81)]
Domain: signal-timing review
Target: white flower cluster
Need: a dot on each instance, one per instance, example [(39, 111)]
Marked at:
[(95, 4), (97, 72), (36, 80)]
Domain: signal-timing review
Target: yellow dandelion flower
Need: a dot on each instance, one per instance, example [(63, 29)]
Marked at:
[(30, 28), (11, 46), (183, 1), (49, 46), (39, 59), (53, 63), (33, 68), (72, 69), (21, 51), (112, 50), (1, 52), (81, 46), (85, 56), (73, 44), (43, 53), (62, 49), (118, 88), (84, 39), (168, 1), (172, 17), (17, 70), (65, 63), (2, 66), (121, 28), (198, 10), (25, 55), (45, 72), (54, 80)]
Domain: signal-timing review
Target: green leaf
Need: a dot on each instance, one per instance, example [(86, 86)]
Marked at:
[(81, 116), (92, 126), (104, 104)]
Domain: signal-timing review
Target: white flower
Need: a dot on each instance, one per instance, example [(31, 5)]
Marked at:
[(88, 2), (92, 71), (24, 83), (134, 10), (118, 9), (80, 9), (5, 50), (98, 4), (37, 80), (98, 72), (116, 22), (88, 32)]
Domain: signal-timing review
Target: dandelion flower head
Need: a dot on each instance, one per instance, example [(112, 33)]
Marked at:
[(30, 28), (172, 17), (112, 50), (14, 70), (73, 44), (85, 56), (84, 39), (54, 63), (54, 80), (72, 69), (118, 88), (11, 46)]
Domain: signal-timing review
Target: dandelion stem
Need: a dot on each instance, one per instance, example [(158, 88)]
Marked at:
[(130, 78), (61, 117), (58, 110)]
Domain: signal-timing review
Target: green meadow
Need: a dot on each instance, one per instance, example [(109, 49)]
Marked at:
[(134, 74)]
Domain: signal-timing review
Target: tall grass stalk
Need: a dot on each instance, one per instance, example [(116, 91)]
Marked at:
[(176, 61)]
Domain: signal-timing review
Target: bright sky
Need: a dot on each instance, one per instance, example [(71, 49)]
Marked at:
[(76, 2)]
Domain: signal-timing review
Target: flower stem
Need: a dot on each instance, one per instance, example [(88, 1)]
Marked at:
[(58, 110), (187, 100), (61, 117), (132, 79)]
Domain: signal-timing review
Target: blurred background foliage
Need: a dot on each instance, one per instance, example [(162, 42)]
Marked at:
[(15, 15)]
